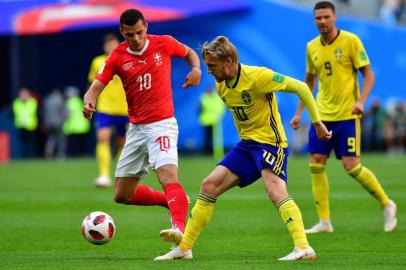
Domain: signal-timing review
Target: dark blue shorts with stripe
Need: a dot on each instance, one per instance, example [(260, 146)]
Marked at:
[(248, 158)]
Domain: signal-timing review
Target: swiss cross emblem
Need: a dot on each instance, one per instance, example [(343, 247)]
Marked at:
[(158, 58), (127, 66)]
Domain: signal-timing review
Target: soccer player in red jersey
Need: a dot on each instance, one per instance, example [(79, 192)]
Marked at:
[(143, 63)]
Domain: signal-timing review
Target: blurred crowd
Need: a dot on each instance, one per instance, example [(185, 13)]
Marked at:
[(384, 127), (392, 12), (52, 126), (389, 12)]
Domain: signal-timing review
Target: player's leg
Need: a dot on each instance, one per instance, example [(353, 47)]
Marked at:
[(220, 180), (350, 151), (162, 139), (321, 192), (125, 189), (237, 168), (320, 151), (103, 151), (371, 184), (176, 200), (133, 165), (103, 155), (290, 214), (273, 164)]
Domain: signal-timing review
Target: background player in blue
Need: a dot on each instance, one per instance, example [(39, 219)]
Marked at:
[(248, 92), (334, 57)]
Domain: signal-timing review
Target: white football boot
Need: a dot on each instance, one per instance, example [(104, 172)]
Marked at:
[(389, 216), (103, 181), (300, 254), (322, 226), (173, 235), (176, 254)]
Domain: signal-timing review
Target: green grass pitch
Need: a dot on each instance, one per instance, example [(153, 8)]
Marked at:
[(42, 204)]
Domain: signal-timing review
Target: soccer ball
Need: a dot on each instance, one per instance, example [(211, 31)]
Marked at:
[(98, 228)]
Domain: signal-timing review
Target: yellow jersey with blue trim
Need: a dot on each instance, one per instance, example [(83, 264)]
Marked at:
[(336, 65), (251, 99), (112, 99)]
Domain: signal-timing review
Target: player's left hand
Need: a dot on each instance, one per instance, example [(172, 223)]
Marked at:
[(322, 131), (193, 77), (358, 108)]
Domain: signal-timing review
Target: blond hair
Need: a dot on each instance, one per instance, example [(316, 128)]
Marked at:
[(220, 48)]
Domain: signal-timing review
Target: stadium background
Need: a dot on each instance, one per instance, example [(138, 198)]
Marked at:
[(43, 202), (266, 33)]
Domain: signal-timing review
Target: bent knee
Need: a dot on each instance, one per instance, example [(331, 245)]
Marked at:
[(209, 187), (122, 198), (351, 165)]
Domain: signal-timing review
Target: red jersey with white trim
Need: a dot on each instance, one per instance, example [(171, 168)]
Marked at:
[(146, 77)]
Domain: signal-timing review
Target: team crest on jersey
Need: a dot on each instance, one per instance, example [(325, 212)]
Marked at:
[(127, 66), (245, 97), (338, 53), (158, 59)]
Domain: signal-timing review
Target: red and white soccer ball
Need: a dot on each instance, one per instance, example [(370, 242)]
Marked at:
[(98, 228)]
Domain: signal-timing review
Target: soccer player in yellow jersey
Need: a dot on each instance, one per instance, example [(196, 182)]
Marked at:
[(111, 113), (248, 92), (335, 57)]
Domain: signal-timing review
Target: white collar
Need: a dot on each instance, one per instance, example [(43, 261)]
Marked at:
[(141, 51)]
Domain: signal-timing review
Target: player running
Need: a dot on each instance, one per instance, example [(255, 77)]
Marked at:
[(248, 92), (143, 63)]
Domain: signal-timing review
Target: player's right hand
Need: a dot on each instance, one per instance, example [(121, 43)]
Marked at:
[(295, 121), (322, 131), (193, 77), (88, 110)]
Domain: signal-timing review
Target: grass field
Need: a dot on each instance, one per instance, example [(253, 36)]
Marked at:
[(42, 204)]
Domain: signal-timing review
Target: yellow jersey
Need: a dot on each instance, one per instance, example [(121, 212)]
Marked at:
[(336, 65), (112, 99), (251, 99)]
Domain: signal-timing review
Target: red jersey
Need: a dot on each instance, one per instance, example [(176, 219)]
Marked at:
[(146, 77)]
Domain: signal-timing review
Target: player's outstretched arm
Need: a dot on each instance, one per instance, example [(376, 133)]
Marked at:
[(89, 99), (306, 97), (310, 80), (193, 77)]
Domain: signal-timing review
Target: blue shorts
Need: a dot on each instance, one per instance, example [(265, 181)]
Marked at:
[(346, 140), (103, 120), (248, 158)]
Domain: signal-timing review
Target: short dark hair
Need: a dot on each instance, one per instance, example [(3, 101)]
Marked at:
[(325, 4), (109, 37), (131, 16)]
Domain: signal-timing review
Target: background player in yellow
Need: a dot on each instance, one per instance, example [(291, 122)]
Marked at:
[(334, 57), (248, 92), (111, 113)]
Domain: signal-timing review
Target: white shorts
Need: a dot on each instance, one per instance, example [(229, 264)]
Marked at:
[(148, 146)]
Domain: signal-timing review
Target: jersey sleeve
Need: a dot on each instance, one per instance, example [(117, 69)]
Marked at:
[(174, 47), (310, 68), (269, 81), (358, 53), (305, 94), (107, 70)]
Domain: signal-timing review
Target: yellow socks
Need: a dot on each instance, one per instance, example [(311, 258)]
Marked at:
[(320, 188), (291, 216), (103, 155), (368, 180), (199, 217)]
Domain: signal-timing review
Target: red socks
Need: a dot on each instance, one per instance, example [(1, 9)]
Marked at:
[(178, 204), (144, 195)]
